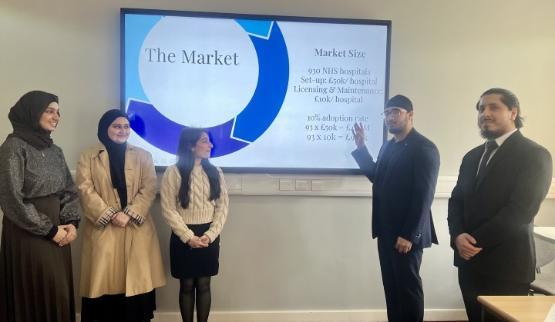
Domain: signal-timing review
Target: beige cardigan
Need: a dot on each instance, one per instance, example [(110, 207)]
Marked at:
[(200, 209), (118, 260)]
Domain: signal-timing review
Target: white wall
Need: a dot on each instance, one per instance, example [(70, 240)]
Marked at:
[(306, 252)]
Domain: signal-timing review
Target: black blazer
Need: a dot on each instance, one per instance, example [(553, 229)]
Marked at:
[(498, 211), (403, 192)]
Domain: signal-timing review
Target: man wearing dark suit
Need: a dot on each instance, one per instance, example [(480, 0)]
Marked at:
[(403, 184), (500, 188)]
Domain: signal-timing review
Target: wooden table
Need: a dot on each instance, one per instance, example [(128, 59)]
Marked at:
[(518, 308)]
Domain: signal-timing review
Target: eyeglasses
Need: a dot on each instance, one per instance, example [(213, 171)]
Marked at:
[(395, 112)]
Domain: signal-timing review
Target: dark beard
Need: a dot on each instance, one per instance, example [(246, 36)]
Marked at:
[(395, 130), (489, 135)]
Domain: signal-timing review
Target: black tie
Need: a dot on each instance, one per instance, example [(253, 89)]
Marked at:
[(490, 147)]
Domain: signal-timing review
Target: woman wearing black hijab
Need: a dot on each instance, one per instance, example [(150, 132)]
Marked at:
[(39, 202), (121, 264)]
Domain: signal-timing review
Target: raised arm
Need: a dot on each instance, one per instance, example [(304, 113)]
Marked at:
[(361, 154)]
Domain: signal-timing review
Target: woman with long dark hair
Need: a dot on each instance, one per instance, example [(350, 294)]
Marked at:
[(121, 264), (195, 205), (39, 201)]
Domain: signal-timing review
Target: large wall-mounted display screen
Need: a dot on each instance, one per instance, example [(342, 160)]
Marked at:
[(274, 93)]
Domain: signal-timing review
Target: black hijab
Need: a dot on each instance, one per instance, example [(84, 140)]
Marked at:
[(116, 153), (25, 118)]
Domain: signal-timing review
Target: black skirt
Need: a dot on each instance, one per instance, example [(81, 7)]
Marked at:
[(36, 278), (119, 308), (187, 262)]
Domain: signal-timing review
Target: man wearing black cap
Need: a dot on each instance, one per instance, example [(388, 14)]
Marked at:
[(500, 188), (404, 179)]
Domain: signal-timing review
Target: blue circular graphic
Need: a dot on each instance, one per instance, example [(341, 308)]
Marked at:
[(234, 134)]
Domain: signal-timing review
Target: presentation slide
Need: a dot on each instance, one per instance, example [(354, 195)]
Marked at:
[(274, 93)]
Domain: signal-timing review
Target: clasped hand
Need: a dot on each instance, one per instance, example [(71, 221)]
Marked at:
[(120, 219), (65, 235), (199, 242), (465, 244)]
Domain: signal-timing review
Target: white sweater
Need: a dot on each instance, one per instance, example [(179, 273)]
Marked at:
[(200, 209)]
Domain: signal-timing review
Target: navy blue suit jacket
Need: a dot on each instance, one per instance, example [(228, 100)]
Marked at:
[(498, 211), (403, 193)]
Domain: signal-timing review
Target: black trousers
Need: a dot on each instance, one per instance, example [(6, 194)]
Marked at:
[(473, 283), (404, 296)]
